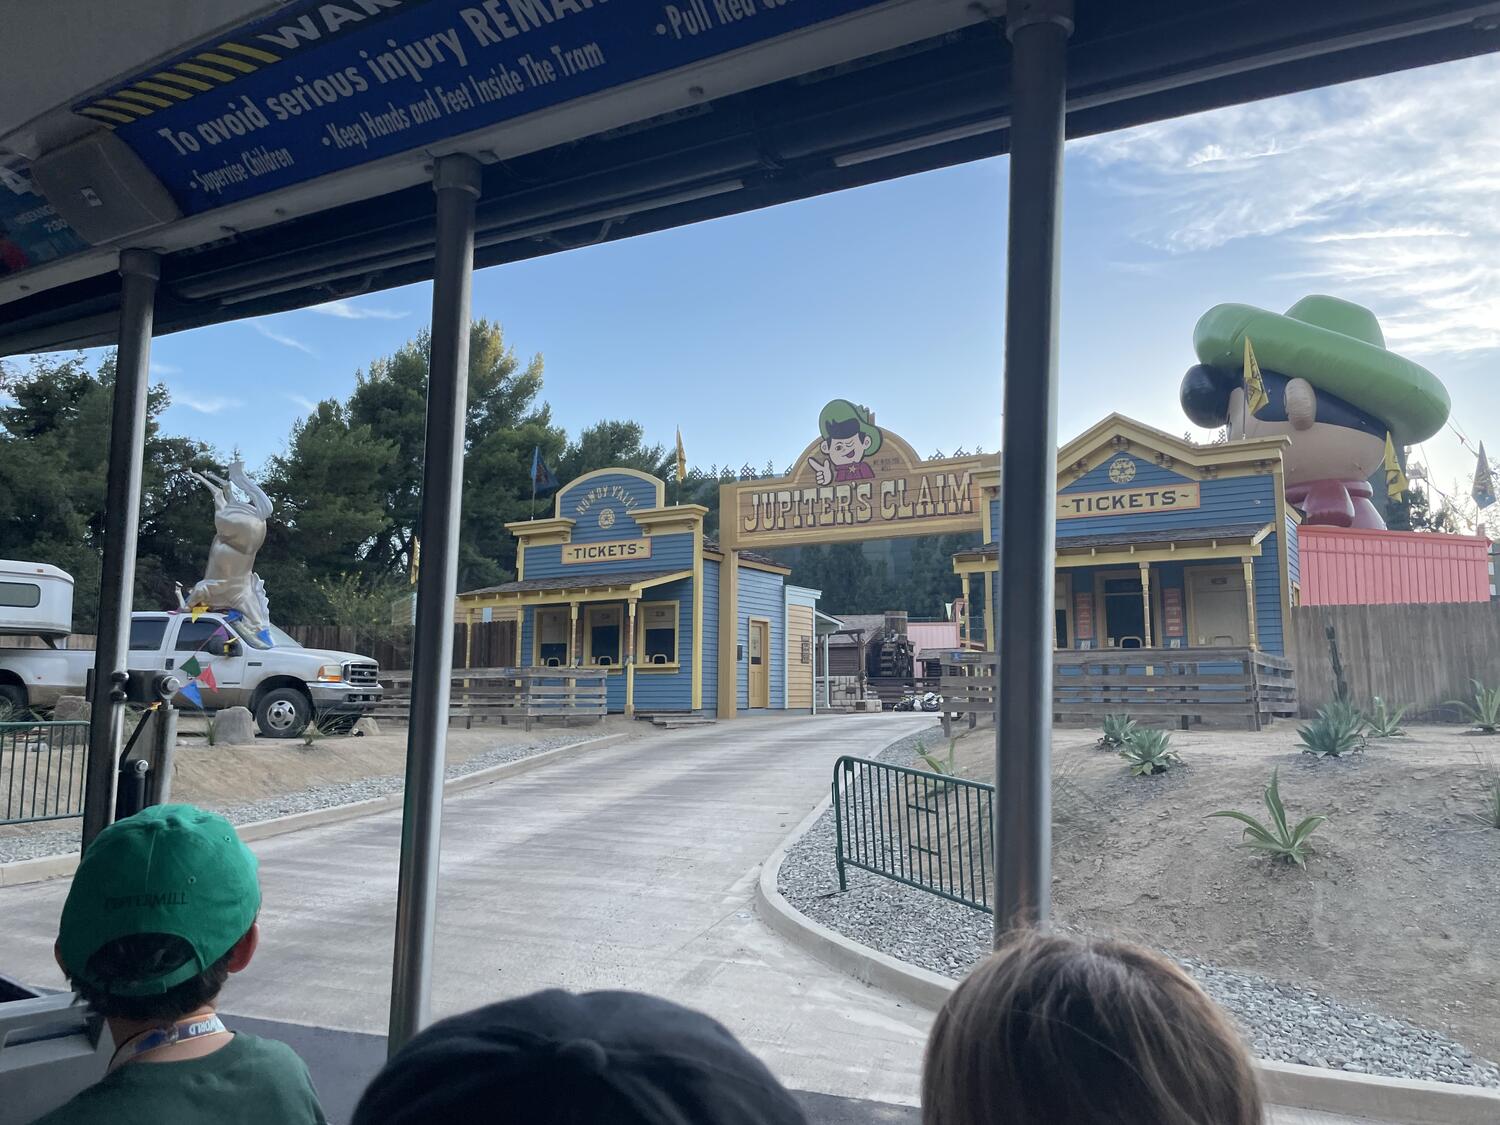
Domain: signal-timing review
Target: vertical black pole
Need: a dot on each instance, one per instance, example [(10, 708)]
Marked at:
[(139, 271), (456, 180), (1038, 31)]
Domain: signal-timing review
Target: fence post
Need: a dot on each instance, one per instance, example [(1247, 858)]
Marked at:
[(838, 827)]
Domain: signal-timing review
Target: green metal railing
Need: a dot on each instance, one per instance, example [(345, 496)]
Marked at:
[(42, 770), (927, 830)]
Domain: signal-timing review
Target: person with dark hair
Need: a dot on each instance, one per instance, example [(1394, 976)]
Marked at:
[(559, 1058), (1051, 1031), (162, 909)]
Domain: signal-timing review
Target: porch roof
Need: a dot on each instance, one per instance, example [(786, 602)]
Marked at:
[(1165, 543), (618, 583)]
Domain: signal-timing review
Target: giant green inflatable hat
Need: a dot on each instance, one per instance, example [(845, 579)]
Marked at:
[(1336, 346)]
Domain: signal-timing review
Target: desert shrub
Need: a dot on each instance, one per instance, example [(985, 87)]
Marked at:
[(1276, 838), (1489, 787), (1483, 712), (1149, 752), (936, 764), (1118, 730), (1335, 732), (1382, 722)]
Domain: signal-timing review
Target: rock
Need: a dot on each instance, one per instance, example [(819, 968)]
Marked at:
[(70, 707), (234, 726), (365, 726)]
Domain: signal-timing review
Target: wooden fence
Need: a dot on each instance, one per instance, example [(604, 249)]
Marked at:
[(1175, 686), (1410, 655), (525, 694)]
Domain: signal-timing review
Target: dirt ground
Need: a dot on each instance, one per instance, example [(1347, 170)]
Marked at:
[(1399, 909)]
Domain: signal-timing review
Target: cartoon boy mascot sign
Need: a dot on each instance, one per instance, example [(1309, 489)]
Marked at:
[(849, 436)]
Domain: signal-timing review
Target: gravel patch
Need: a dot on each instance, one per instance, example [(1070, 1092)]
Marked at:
[(1282, 1022), (51, 842)]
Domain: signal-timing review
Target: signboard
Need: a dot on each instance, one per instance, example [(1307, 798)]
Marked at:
[(855, 481), (31, 233), (319, 87), (1083, 616), (1171, 611), (620, 550), (1126, 501)]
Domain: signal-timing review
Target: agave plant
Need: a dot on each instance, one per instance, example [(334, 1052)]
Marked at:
[(936, 764), (1489, 806), (1118, 731), (314, 731), (1150, 751), (1484, 712), (1277, 838), (1382, 722), (1335, 732)]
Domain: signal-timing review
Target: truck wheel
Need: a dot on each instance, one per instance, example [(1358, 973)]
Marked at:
[(12, 701), (283, 713)]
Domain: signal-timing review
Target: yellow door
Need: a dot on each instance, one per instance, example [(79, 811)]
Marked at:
[(760, 664)]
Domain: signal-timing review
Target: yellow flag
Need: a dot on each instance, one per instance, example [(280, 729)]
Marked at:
[(416, 558), (681, 458), (1396, 483), (197, 611), (1255, 386)]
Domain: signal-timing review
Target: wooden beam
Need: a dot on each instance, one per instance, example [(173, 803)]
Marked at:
[(1250, 600)]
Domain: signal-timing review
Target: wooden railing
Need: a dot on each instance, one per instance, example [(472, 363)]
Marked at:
[(525, 694), (1173, 686)]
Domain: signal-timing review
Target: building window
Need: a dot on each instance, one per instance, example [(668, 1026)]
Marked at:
[(806, 657), (604, 635), (22, 595), (552, 629), (658, 632)]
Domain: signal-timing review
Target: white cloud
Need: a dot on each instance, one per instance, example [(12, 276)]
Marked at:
[(159, 368), (213, 404), (303, 401), (343, 310), (1382, 191), (280, 337)]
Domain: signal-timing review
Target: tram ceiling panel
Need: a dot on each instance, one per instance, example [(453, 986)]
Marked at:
[(926, 105)]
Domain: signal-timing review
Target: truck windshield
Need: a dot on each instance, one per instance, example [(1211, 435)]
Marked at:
[(248, 635)]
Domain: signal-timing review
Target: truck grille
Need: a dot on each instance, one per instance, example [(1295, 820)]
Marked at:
[(362, 675)]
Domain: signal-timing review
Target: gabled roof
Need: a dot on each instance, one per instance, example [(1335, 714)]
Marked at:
[(1115, 433)]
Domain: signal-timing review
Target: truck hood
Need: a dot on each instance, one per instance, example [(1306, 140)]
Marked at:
[(318, 655)]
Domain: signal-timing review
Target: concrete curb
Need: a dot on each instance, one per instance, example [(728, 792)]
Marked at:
[(56, 866), (1407, 1101)]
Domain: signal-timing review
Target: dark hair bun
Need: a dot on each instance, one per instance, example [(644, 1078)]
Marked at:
[(1205, 395)]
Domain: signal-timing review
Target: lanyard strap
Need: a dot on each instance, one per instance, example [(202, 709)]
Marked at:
[(160, 1037)]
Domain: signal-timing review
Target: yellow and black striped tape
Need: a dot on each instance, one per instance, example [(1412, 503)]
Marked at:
[(200, 74)]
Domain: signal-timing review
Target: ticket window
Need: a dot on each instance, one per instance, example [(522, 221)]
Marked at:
[(552, 628), (603, 626), (658, 633), (1124, 612)]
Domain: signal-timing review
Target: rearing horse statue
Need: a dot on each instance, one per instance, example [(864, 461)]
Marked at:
[(229, 580)]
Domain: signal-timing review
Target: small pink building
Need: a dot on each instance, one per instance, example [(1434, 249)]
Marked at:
[(1343, 566)]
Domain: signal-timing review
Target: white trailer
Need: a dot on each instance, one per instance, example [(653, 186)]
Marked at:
[(36, 600)]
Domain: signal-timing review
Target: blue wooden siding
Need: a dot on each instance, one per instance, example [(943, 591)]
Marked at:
[(1267, 572), (621, 493), (1234, 500), (710, 635), (1147, 475), (668, 691), (762, 595), (668, 552), (1293, 550)]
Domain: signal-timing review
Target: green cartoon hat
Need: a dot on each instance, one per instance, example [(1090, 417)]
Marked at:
[(843, 419), (1338, 347)]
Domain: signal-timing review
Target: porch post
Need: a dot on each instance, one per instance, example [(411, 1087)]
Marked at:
[(1146, 604), (1038, 31), (827, 677), (575, 642), (456, 180), (991, 592), (139, 271), (1250, 600), (963, 625), (630, 663)]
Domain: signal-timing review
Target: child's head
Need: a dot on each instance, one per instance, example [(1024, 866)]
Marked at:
[(161, 911), (1051, 1031)]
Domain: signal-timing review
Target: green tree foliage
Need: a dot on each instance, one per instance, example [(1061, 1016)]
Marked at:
[(609, 444), (54, 446)]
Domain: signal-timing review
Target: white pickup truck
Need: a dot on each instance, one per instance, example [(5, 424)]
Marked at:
[(284, 685)]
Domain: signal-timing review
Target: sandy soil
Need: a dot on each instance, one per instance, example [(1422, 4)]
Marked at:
[(1399, 907)]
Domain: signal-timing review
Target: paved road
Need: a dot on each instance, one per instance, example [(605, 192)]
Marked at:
[(631, 867)]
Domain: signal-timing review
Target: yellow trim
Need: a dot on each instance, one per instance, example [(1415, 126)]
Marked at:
[(769, 568), (205, 71), (520, 560), (534, 528), (689, 515), (765, 662), (190, 83), (139, 110), (1182, 554), (536, 633), (696, 700), (628, 632), (162, 88), (1190, 594), (661, 488), (729, 634), (1101, 605), (521, 628), (640, 637), (989, 611), (106, 114), (224, 60), (148, 99), (964, 630), (1250, 603), (1146, 602), (1096, 445), (250, 52), (587, 653)]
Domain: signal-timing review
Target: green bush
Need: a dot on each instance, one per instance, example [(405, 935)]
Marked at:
[(1149, 752), (1335, 732), (936, 764), (1276, 838), (1484, 712), (1382, 722), (1118, 731)]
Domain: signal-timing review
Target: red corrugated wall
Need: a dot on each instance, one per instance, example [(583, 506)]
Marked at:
[(1346, 567)]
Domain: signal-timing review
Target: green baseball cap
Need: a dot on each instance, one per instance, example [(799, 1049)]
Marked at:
[(169, 869)]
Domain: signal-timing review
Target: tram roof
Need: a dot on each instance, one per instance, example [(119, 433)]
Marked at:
[(903, 86)]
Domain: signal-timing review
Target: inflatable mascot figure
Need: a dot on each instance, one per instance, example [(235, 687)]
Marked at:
[(1328, 383), (229, 580)]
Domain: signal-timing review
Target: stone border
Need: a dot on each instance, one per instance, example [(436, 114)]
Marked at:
[(1404, 1100), (55, 866)]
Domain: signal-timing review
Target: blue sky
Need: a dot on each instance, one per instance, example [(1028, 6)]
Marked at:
[(738, 330)]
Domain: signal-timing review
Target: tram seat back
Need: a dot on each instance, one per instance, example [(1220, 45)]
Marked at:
[(51, 1048)]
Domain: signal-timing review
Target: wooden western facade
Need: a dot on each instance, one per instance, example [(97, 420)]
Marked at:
[(617, 579), (1161, 543)]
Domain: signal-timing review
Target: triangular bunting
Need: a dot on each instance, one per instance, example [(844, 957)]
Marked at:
[(207, 678), (232, 615), (191, 693), (192, 667), (197, 611), (265, 637)]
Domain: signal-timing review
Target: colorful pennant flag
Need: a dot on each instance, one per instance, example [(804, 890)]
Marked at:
[(265, 638), (192, 667), (197, 611), (232, 615), (206, 678), (193, 695), (542, 479), (1484, 481), (1396, 483), (681, 458), (1255, 385), (221, 631)]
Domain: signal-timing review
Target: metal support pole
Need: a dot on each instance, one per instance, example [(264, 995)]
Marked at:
[(456, 180), (139, 271), (1038, 31)]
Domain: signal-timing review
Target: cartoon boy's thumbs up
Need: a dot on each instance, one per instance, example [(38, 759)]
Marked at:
[(821, 469)]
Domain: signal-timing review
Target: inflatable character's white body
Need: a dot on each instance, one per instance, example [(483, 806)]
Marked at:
[(229, 580)]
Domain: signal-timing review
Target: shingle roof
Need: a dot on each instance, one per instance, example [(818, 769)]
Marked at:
[(571, 582)]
